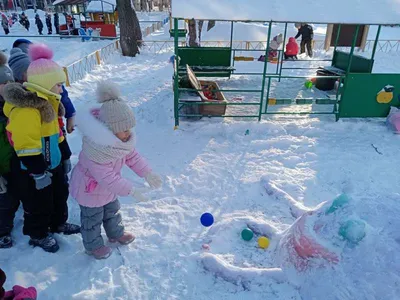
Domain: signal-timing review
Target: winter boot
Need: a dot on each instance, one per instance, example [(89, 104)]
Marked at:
[(48, 244), (68, 229), (6, 242), (100, 253), (125, 239)]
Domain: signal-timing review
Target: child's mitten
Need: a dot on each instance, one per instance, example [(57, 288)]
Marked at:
[(154, 180)]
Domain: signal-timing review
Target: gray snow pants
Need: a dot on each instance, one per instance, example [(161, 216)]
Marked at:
[(91, 220)]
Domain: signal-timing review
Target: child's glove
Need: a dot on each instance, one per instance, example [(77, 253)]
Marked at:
[(70, 125), (137, 193), (42, 180), (67, 166), (3, 185), (154, 180)]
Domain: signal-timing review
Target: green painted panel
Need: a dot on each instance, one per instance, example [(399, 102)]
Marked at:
[(360, 95), (359, 64), (205, 56)]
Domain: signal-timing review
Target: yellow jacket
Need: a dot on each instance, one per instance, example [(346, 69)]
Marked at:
[(33, 126)]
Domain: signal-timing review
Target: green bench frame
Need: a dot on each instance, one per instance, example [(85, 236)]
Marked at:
[(206, 61), (359, 64)]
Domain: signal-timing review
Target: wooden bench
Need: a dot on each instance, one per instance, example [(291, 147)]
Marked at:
[(359, 64)]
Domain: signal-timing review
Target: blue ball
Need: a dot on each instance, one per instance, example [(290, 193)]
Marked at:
[(207, 219)]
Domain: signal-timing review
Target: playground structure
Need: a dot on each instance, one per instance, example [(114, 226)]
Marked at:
[(182, 32), (99, 14), (358, 86)]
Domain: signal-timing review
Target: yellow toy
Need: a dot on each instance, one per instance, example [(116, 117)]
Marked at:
[(263, 242), (385, 95)]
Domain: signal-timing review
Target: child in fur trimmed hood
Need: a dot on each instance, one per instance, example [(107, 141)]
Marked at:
[(96, 181), (41, 149)]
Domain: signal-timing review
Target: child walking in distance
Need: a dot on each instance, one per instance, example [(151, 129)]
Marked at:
[(96, 181), (34, 133)]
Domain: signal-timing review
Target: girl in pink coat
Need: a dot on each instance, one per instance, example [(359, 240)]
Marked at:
[(96, 181)]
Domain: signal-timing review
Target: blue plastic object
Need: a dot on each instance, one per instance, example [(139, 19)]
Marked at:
[(353, 231), (339, 202), (207, 219)]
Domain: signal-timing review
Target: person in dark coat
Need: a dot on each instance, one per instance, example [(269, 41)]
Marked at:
[(39, 24), (57, 22), (48, 23), (4, 24), (25, 21), (307, 35)]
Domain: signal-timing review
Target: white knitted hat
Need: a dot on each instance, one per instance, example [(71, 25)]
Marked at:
[(114, 112)]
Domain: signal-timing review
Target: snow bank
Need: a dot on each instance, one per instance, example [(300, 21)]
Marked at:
[(323, 11)]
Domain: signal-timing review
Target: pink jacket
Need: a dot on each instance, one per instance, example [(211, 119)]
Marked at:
[(96, 184)]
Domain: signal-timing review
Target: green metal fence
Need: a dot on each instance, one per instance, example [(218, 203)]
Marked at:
[(207, 57)]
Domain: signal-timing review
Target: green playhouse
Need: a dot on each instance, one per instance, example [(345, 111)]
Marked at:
[(360, 92)]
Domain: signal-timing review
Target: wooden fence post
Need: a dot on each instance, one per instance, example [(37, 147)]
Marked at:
[(98, 57), (67, 83)]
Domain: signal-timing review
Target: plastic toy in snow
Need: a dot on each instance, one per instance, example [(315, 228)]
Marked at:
[(263, 242), (247, 234), (308, 84), (207, 219), (385, 95), (393, 120), (315, 239)]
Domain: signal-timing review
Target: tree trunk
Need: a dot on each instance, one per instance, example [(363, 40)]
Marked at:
[(129, 28), (192, 33), (201, 22), (143, 5)]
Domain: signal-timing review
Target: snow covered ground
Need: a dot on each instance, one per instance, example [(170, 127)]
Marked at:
[(214, 166)]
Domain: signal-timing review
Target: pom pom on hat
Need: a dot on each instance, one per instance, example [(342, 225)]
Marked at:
[(107, 91), (114, 112), (43, 71), (40, 51)]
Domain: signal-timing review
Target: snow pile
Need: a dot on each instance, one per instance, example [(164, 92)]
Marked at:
[(323, 11)]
